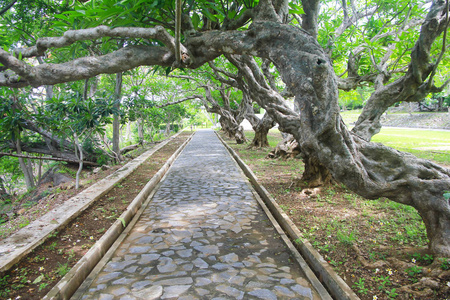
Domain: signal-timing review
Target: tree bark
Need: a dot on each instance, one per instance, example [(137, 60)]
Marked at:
[(80, 161), (140, 127), (27, 173), (315, 173), (116, 120), (229, 122), (261, 129), (41, 158)]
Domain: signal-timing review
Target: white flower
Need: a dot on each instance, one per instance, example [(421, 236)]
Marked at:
[(413, 260), (377, 270), (448, 283)]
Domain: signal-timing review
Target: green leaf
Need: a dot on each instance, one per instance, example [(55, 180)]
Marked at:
[(295, 9), (446, 195), (124, 224), (39, 279), (195, 20)]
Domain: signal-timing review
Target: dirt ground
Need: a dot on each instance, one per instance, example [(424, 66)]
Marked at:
[(378, 247), (35, 275)]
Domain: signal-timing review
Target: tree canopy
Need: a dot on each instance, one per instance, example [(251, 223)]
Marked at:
[(397, 49)]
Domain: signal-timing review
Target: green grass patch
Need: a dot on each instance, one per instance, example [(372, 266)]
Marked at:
[(350, 116), (427, 144)]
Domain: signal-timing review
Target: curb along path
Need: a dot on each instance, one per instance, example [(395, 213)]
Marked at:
[(203, 236)]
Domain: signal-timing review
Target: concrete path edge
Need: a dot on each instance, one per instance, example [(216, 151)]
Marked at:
[(69, 284), (333, 282)]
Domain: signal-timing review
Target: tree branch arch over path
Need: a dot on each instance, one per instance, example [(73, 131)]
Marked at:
[(371, 170)]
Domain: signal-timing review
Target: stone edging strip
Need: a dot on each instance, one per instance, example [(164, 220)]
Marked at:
[(18, 245), (69, 284), (333, 282)]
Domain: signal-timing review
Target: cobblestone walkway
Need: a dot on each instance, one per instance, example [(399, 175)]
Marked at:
[(203, 236)]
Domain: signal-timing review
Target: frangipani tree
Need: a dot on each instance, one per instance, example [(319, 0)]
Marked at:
[(259, 29)]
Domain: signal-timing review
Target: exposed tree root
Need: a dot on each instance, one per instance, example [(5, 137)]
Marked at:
[(287, 148), (365, 262), (423, 288)]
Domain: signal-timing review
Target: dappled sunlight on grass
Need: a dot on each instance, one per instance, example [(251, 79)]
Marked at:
[(427, 144)]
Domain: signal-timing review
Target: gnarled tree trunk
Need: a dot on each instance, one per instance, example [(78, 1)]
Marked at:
[(261, 131), (231, 128), (369, 169)]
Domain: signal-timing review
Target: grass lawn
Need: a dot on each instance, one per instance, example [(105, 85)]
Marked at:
[(427, 144)]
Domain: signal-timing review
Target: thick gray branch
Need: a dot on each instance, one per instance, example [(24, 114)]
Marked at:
[(120, 60), (411, 87)]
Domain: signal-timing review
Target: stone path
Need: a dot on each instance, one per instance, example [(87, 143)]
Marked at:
[(203, 236)]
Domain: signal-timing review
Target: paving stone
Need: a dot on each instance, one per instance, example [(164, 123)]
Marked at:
[(284, 291), (230, 291), (166, 265), (168, 253), (286, 281), (153, 292), (200, 263), (140, 249), (120, 291), (208, 250), (229, 258), (255, 284), (237, 280), (303, 291), (127, 297), (107, 277), (175, 281), (131, 269), (187, 297), (263, 294), (114, 266), (141, 284), (202, 281), (124, 281), (174, 291), (185, 253), (146, 258)]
